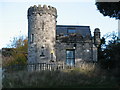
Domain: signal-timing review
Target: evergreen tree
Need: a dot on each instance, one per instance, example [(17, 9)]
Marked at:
[(111, 9)]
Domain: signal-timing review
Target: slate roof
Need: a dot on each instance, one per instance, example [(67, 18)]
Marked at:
[(83, 30)]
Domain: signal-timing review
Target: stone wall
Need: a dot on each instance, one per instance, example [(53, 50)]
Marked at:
[(83, 51), (41, 33)]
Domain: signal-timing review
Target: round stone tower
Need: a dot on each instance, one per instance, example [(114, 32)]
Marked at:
[(41, 34)]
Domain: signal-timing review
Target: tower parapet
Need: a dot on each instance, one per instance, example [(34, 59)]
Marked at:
[(42, 10)]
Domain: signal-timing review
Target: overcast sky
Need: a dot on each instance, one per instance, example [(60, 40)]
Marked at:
[(13, 17)]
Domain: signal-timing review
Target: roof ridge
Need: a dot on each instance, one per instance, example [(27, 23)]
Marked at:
[(72, 26)]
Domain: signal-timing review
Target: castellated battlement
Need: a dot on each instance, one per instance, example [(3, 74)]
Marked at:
[(33, 10)]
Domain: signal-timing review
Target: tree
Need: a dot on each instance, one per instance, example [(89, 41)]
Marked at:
[(111, 9), (17, 51), (101, 48), (20, 54), (109, 57)]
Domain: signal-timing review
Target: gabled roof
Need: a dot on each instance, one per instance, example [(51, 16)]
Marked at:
[(83, 30)]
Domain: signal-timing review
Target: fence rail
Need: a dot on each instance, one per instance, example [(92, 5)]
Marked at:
[(37, 67), (46, 66)]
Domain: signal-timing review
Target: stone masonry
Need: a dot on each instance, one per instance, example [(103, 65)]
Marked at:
[(41, 33), (58, 43)]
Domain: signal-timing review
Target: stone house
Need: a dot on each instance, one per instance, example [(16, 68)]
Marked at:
[(48, 42)]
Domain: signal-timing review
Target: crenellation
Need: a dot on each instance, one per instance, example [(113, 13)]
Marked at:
[(35, 7), (45, 7), (42, 10), (39, 6)]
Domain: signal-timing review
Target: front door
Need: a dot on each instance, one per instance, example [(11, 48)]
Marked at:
[(70, 57)]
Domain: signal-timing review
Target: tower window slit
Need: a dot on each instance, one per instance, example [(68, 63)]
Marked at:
[(42, 51), (43, 26), (32, 38)]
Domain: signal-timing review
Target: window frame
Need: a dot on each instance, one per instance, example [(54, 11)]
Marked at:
[(70, 60)]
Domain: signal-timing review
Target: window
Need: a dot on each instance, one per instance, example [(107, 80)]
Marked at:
[(42, 51), (43, 26), (70, 57), (75, 45), (32, 38), (71, 31)]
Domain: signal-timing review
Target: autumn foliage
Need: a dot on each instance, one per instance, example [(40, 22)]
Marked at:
[(16, 52)]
